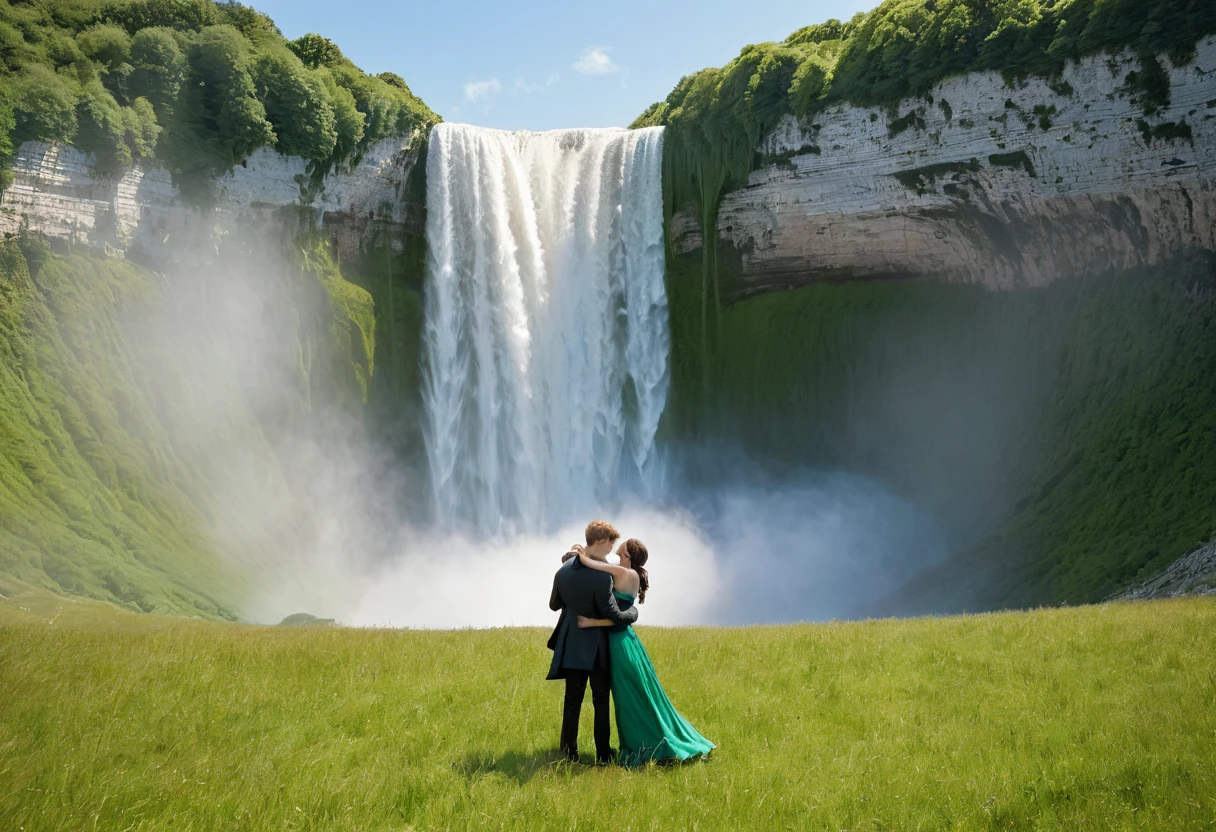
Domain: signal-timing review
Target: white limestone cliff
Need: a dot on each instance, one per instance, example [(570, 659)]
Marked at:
[(981, 188), (56, 193)]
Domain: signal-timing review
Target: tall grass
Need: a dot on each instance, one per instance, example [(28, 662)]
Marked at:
[(1099, 717)]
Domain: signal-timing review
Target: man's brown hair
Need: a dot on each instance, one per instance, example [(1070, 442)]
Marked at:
[(598, 530)]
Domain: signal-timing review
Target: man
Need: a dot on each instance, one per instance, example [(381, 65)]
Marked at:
[(580, 656)]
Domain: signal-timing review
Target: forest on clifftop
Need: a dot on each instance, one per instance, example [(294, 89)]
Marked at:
[(194, 85)]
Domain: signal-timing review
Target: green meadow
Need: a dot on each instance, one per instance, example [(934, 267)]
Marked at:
[(1095, 717)]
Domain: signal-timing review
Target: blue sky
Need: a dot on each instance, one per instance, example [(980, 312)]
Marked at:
[(545, 64)]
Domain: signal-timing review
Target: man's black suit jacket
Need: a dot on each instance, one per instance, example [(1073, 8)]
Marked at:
[(577, 591)]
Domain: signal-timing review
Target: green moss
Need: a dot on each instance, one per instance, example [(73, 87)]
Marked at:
[(912, 118), (391, 267), (785, 159), (1060, 87), (924, 178), (1042, 115), (351, 327), (1017, 159), (1168, 132), (1149, 85)]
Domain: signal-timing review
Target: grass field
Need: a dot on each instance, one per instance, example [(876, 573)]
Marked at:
[(1097, 717)]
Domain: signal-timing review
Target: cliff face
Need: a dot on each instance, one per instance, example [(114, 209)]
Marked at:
[(54, 190), (987, 183)]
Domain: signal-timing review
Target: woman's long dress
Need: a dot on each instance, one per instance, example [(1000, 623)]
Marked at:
[(648, 725)]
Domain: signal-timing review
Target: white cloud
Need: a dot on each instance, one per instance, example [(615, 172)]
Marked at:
[(595, 61), (482, 92)]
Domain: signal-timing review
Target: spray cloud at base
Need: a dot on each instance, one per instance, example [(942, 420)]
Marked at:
[(805, 552)]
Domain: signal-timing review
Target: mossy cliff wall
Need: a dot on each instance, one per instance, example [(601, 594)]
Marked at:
[(1008, 318), (1065, 435)]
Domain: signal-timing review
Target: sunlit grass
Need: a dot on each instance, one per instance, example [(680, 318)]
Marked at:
[(1099, 717)]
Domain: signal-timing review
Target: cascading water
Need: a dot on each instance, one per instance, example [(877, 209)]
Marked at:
[(546, 331)]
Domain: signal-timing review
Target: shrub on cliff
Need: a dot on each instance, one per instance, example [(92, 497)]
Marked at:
[(101, 129), (296, 104), (44, 105), (107, 46), (158, 68)]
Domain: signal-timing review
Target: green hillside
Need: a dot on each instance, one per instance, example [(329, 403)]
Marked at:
[(91, 496), (101, 473), (1096, 718)]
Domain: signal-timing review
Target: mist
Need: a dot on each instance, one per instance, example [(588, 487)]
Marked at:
[(806, 552), (305, 506)]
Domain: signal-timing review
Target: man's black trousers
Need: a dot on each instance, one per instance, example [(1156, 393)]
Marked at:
[(576, 687)]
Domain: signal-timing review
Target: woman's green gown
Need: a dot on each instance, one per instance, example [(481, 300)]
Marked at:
[(648, 725)]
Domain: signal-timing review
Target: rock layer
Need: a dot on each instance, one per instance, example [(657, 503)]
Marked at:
[(56, 193), (1192, 574), (986, 183)]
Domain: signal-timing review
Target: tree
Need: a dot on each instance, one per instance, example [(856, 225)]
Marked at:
[(347, 118), (105, 44), (44, 106), (296, 105), (316, 51), (226, 107), (158, 67), (101, 129), (141, 129)]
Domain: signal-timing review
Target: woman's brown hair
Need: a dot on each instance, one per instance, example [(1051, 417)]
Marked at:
[(637, 561)]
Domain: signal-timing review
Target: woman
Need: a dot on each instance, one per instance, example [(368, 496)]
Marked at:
[(648, 725)]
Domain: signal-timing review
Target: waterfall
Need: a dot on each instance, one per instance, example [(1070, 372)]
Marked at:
[(546, 334)]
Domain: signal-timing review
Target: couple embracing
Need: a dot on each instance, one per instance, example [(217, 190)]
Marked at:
[(594, 644)]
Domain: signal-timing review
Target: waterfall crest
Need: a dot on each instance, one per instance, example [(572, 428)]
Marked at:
[(546, 327)]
